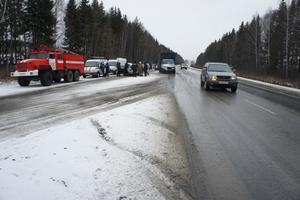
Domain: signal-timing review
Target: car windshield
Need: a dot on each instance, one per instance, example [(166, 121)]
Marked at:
[(91, 64), (112, 63), (218, 68), (167, 61), (39, 55)]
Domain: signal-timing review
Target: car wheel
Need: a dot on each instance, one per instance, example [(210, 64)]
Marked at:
[(46, 78), (202, 83), (233, 89), (206, 86), (23, 81), (69, 76), (76, 76)]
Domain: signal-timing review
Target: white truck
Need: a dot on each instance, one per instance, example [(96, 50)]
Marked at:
[(167, 63)]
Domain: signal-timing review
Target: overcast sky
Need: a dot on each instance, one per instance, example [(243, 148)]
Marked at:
[(189, 26)]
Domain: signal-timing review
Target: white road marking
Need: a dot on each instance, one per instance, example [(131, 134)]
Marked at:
[(261, 107)]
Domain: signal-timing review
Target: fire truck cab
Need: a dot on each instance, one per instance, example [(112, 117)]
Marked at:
[(48, 65)]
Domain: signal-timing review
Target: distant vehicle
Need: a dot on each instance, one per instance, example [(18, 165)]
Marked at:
[(113, 66), (218, 75), (130, 70), (48, 65), (184, 66), (93, 67), (167, 63), (122, 62)]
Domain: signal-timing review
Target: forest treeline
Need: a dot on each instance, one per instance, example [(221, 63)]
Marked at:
[(266, 46), (89, 30)]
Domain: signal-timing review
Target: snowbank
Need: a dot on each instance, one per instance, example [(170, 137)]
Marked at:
[(131, 152)]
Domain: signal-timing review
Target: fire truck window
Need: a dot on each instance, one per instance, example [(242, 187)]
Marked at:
[(59, 57), (51, 56)]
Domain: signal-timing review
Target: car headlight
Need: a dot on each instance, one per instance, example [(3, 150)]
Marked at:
[(213, 78), (233, 78)]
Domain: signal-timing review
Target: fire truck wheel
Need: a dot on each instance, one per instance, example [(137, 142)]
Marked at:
[(46, 78), (69, 76), (23, 81), (76, 76)]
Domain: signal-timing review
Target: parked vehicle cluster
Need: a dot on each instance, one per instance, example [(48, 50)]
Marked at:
[(52, 65)]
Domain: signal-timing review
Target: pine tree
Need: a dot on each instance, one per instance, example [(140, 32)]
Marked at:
[(97, 21), (72, 36), (240, 49), (85, 24), (41, 22), (294, 35)]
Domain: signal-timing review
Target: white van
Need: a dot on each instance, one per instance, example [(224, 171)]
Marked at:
[(113, 66), (92, 67), (122, 62)]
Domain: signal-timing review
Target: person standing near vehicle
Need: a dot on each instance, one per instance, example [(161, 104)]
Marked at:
[(118, 69), (145, 69), (107, 69), (126, 69), (102, 68), (140, 68), (134, 68)]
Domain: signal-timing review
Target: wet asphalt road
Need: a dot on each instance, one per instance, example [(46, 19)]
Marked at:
[(241, 146)]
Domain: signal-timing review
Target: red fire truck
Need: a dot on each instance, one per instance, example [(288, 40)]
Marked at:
[(48, 65)]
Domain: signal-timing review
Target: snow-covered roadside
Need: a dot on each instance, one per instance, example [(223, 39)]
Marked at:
[(12, 88), (131, 152)]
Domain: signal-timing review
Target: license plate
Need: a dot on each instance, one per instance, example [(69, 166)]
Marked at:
[(223, 82)]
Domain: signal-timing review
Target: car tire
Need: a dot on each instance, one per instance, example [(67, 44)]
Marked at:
[(69, 76), (84, 76), (46, 78), (23, 81), (202, 83), (76, 76), (233, 89), (206, 86)]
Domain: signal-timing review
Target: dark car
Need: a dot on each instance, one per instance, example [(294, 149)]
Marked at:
[(184, 66), (218, 75)]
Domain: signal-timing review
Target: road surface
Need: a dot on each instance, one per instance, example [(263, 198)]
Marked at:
[(241, 146), (36, 110)]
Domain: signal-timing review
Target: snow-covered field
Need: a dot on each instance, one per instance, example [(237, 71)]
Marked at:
[(131, 152), (12, 88)]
